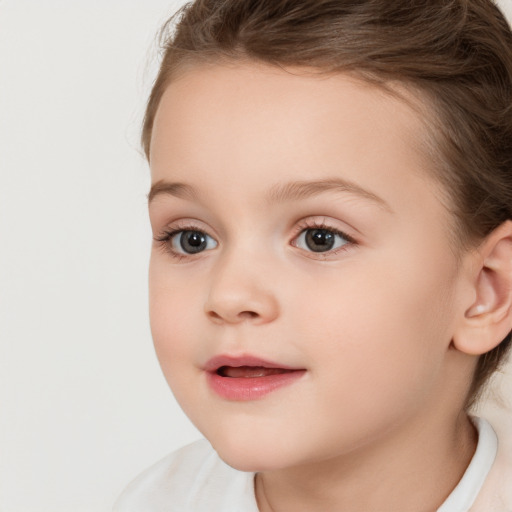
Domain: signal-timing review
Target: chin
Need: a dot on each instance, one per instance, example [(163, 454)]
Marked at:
[(253, 452), (252, 461)]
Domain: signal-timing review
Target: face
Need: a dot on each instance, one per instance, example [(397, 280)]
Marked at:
[(302, 282)]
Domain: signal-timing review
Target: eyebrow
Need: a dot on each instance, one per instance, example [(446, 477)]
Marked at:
[(279, 193), (162, 187), (297, 190)]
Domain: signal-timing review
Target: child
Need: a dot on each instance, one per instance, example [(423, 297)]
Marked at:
[(331, 273)]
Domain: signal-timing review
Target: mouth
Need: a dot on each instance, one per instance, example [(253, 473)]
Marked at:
[(247, 377), (249, 372)]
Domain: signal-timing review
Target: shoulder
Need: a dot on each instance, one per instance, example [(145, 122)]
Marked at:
[(192, 478)]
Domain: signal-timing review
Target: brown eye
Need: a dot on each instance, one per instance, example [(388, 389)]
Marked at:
[(192, 242), (320, 240)]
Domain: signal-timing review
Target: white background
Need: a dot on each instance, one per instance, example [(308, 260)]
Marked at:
[(83, 405)]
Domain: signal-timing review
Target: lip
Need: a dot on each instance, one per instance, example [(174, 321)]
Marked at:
[(248, 388)]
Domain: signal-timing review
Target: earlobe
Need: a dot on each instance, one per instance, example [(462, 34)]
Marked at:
[(488, 320)]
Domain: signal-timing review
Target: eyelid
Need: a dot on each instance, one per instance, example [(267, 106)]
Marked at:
[(165, 237), (322, 223), (184, 225)]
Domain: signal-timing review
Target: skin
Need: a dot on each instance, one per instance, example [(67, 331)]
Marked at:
[(377, 421)]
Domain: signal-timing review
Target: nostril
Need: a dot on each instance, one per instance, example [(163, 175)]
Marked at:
[(236, 317), (248, 314)]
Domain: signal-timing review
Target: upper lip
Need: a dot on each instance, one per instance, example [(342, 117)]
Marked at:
[(216, 362)]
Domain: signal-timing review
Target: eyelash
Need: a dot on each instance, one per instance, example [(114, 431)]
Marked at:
[(322, 225), (166, 236)]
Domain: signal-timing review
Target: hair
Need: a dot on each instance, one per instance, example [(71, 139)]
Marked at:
[(456, 54)]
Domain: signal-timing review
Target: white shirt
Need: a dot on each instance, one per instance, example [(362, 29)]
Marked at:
[(195, 479)]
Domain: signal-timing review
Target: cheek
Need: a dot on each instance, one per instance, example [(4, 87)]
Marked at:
[(382, 329), (173, 314)]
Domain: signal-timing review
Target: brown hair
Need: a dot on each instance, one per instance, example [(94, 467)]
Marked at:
[(456, 53)]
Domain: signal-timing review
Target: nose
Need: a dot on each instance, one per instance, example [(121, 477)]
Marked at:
[(241, 291)]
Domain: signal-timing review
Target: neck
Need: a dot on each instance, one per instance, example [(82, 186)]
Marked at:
[(415, 467)]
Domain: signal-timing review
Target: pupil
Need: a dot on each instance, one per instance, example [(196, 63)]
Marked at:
[(193, 241), (319, 240)]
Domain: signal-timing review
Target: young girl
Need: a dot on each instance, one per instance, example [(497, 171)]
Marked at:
[(331, 272)]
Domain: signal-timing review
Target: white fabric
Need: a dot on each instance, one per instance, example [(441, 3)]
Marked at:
[(194, 479), (464, 495)]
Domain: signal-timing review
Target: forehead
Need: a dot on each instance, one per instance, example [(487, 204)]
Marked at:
[(265, 124), (245, 87)]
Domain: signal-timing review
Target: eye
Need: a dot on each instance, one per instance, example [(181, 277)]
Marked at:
[(321, 240), (191, 241)]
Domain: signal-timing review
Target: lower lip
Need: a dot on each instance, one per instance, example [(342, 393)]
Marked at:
[(250, 388)]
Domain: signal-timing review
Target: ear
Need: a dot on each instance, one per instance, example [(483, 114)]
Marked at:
[(488, 319)]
